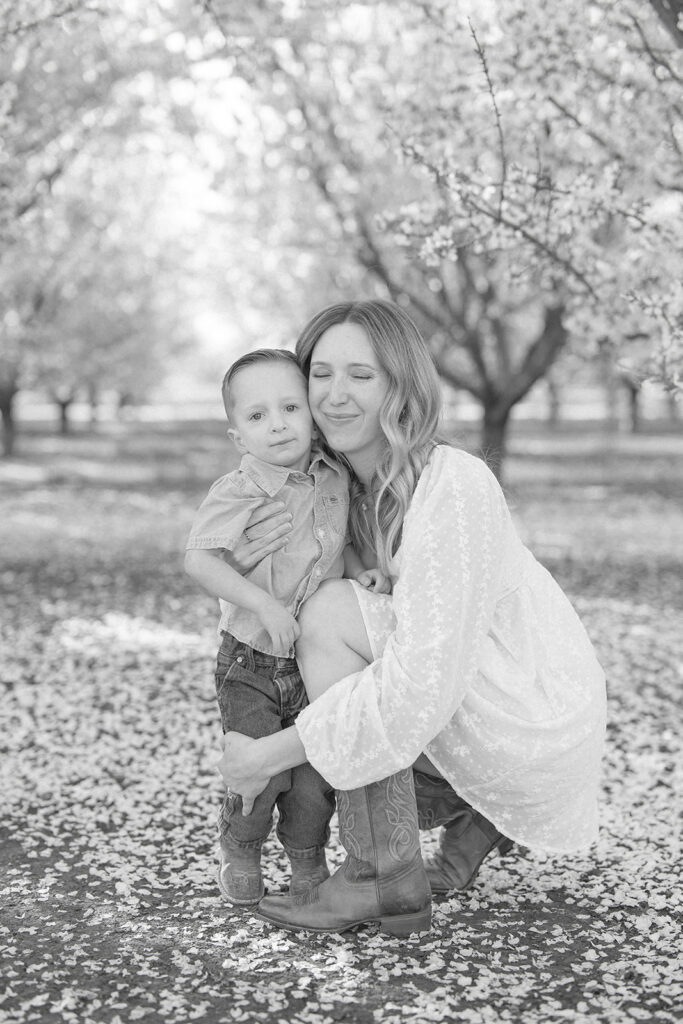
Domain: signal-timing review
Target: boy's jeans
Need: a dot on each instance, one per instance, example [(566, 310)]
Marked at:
[(259, 694)]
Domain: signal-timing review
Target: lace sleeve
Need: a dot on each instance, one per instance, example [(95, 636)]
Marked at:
[(378, 721)]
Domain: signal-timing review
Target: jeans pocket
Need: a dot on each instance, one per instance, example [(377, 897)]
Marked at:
[(293, 697), (227, 669)]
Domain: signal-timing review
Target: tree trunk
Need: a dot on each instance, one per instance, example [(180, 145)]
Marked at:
[(64, 423), (673, 406), (554, 403), (7, 396), (633, 406), (494, 437), (611, 402), (94, 407), (124, 402)]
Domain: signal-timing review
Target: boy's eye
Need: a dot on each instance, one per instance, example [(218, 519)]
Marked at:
[(319, 374), (256, 416), (291, 408), (361, 376)]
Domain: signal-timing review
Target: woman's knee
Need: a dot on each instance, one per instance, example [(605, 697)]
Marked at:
[(322, 615)]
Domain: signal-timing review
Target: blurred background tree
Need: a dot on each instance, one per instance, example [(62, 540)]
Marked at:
[(536, 201), (87, 121), (509, 173)]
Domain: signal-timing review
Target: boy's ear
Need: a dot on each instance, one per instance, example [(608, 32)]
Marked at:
[(236, 439)]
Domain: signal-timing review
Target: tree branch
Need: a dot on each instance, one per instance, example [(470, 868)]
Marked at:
[(590, 132), (515, 226), (656, 58), (472, 339), (539, 356), (499, 127), (28, 26), (459, 382), (669, 13)]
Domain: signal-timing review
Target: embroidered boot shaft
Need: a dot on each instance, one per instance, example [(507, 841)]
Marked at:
[(382, 879)]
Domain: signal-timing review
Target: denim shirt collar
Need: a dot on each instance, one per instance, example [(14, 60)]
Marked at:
[(318, 455), (273, 478)]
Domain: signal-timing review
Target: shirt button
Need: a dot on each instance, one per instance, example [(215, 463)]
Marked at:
[(321, 533), (240, 659), (317, 572)]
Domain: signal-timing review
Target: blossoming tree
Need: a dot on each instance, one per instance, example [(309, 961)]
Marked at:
[(511, 172)]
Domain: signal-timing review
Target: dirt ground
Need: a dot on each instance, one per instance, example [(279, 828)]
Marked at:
[(108, 908)]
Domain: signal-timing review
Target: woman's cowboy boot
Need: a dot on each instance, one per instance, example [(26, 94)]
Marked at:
[(463, 846), (382, 879), (466, 840)]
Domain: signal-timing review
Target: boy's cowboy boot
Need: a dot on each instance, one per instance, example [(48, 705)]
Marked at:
[(239, 873), (382, 878), (307, 872), (466, 840)]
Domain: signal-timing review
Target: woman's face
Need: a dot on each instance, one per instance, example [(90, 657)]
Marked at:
[(346, 389)]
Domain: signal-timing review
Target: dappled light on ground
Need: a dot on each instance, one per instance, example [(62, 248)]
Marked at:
[(109, 909)]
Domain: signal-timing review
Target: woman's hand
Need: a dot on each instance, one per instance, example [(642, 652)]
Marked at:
[(267, 531), (242, 770)]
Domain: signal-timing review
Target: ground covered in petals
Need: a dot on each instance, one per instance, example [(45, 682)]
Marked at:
[(109, 912)]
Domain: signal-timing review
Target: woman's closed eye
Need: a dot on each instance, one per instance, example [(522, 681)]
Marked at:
[(320, 375)]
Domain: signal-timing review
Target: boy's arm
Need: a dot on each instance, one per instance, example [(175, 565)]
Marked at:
[(206, 566), (353, 566), (354, 569)]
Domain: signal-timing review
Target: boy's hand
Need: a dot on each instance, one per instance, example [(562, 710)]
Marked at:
[(374, 580), (279, 624)]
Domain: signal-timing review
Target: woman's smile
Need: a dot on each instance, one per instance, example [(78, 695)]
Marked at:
[(347, 387), (337, 417)]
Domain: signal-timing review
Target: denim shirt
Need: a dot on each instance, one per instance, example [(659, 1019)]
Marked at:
[(319, 503)]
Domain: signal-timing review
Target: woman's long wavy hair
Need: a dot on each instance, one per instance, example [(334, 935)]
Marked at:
[(409, 416)]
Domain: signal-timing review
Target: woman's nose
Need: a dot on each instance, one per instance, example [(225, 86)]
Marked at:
[(338, 393)]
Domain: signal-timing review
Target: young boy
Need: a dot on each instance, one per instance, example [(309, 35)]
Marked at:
[(258, 684)]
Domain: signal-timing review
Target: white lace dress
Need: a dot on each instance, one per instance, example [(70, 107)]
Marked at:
[(481, 662)]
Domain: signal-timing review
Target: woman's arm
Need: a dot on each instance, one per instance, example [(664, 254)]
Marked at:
[(248, 765), (377, 721), (267, 530)]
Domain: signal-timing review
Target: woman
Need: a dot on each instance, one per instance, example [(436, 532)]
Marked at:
[(476, 671)]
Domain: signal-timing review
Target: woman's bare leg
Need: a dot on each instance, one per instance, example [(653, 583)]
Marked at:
[(333, 642)]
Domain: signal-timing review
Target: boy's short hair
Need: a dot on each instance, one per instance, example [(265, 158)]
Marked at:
[(261, 355)]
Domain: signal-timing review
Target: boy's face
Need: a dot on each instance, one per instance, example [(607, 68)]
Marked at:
[(269, 415)]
